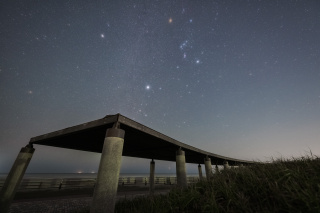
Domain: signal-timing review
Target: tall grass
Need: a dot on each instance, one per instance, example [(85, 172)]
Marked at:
[(281, 186)]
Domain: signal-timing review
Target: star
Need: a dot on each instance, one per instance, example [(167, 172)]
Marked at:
[(148, 87), (184, 45), (170, 20), (102, 35)]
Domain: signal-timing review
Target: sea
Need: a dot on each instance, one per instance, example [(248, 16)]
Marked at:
[(89, 175)]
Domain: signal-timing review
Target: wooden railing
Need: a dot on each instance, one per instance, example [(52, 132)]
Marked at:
[(78, 183)]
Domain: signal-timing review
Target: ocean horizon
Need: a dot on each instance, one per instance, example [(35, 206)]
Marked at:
[(89, 175)]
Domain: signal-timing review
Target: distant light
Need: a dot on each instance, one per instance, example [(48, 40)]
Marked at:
[(147, 87), (102, 35), (170, 20)]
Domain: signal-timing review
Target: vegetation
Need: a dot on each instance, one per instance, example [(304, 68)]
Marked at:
[(281, 186)]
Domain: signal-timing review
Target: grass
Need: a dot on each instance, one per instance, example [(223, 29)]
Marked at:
[(281, 186)]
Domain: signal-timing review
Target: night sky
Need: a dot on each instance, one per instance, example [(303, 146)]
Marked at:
[(236, 78)]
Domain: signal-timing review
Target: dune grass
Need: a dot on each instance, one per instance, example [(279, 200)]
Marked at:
[(281, 186)]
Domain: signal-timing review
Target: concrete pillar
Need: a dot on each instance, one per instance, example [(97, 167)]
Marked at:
[(200, 172), (208, 167), (105, 192), (217, 169), (226, 165), (181, 168), (151, 179), (14, 177)]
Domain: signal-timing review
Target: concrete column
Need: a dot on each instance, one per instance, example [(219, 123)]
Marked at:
[(14, 177), (200, 172), (151, 179), (226, 165), (181, 168), (208, 167), (105, 192), (217, 169)]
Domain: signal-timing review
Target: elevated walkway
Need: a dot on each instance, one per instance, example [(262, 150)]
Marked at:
[(140, 141)]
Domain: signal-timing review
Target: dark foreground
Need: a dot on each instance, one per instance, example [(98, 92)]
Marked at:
[(71, 200), (51, 205), (281, 186)]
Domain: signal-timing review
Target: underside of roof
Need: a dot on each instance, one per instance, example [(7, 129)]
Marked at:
[(139, 141)]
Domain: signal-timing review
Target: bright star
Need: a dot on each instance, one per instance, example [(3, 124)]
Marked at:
[(102, 35), (147, 87), (170, 20)]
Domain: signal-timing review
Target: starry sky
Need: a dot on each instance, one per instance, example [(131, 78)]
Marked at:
[(236, 78)]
